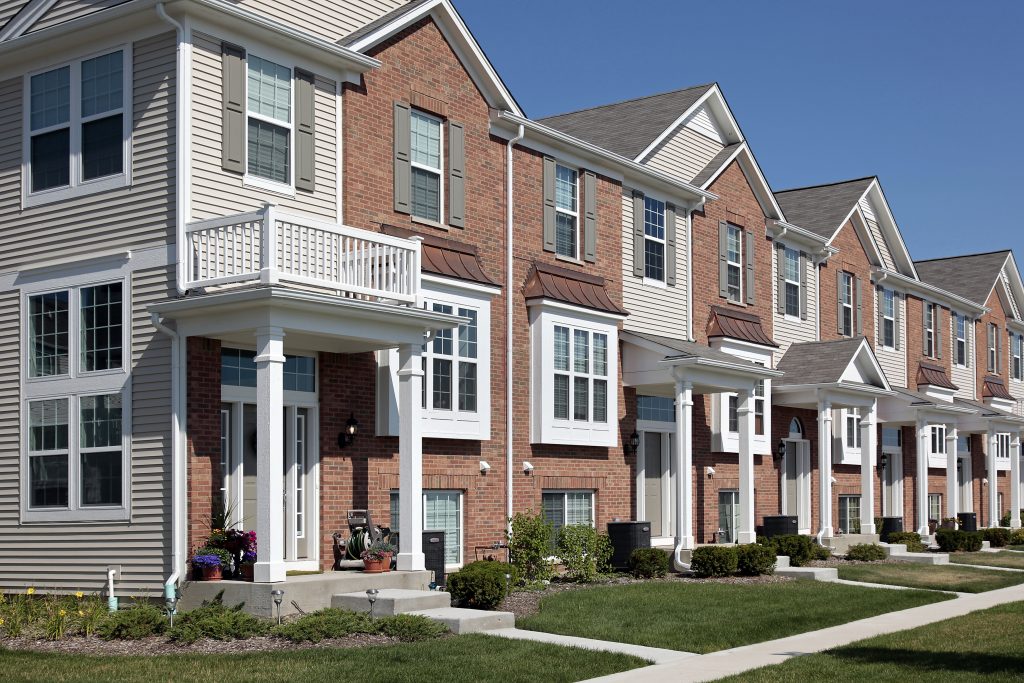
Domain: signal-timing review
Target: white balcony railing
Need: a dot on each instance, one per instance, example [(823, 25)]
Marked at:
[(354, 263)]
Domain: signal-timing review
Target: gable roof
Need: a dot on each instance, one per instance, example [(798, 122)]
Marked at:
[(384, 19), (827, 362), (628, 127), (822, 209), (971, 276), (711, 171)]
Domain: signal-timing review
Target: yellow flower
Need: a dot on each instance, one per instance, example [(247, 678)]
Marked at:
[(79, 595), (63, 613), (1, 621), (81, 613), (31, 590)]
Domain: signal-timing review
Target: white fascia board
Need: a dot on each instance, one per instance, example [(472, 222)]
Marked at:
[(713, 91), (931, 292), (718, 171), (749, 165), (890, 226), (746, 370), (860, 224), (1016, 285), (461, 285), (788, 232), (26, 18)]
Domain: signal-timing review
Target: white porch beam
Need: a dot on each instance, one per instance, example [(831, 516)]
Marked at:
[(683, 455), (992, 475), (745, 413), (269, 455), (952, 483), (410, 458), (1015, 483), (923, 448), (868, 449), (825, 466)]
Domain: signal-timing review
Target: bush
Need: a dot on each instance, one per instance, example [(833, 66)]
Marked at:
[(409, 628), (583, 552), (996, 537), (648, 563), (799, 549), (714, 560), (136, 622), (866, 552), (1005, 519), (529, 546), (753, 559), (910, 539), (215, 620), (324, 624), (820, 552), (953, 540), (481, 584), (1017, 537)]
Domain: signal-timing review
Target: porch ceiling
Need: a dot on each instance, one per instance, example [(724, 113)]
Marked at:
[(310, 320)]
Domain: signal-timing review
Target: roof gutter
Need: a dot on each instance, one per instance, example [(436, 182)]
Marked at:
[(780, 228)]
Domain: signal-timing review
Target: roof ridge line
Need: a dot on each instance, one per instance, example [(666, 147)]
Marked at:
[(950, 258), (631, 99), (837, 182)]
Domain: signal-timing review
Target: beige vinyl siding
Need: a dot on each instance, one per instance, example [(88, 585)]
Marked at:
[(787, 330), (216, 192), (894, 362), (74, 555), (966, 378), (654, 310), (702, 122), (325, 18), (66, 10), (684, 154), (8, 8), (876, 233), (131, 217)]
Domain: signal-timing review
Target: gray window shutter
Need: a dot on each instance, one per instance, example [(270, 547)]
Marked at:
[(780, 277), (402, 158), (233, 108), (924, 328), (880, 306), (670, 245), (456, 175), (750, 266), (991, 342), (839, 301), (549, 204), (803, 286), (938, 332), (999, 352), (638, 233), (898, 317), (305, 92), (858, 311), (723, 259), (589, 217)]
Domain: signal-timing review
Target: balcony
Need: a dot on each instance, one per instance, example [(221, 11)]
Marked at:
[(271, 246)]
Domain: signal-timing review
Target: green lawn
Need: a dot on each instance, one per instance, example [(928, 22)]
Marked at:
[(999, 559), (1015, 547), (982, 646), (466, 659), (934, 577), (704, 617)]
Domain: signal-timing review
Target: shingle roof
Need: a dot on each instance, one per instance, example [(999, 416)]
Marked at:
[(351, 38), (714, 164), (627, 128), (817, 362), (679, 348), (822, 208), (971, 276)]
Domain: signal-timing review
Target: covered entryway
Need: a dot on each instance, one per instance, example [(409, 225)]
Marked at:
[(795, 492)]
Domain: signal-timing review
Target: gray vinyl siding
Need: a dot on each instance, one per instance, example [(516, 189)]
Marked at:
[(788, 330), (217, 193), (66, 10), (965, 378), (8, 8), (684, 154), (325, 18), (70, 556), (653, 310), (131, 217), (876, 234), (892, 361)]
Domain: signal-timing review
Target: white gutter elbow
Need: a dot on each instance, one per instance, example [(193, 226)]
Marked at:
[(509, 316)]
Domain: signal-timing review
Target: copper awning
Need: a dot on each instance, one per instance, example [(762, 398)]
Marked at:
[(935, 375), (446, 257), (726, 322), (995, 388), (569, 286)]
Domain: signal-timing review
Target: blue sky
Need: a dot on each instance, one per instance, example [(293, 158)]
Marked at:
[(926, 95)]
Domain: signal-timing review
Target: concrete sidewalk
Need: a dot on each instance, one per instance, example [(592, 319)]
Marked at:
[(654, 654), (737, 660)]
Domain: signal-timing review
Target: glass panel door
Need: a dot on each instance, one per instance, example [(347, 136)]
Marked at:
[(729, 513), (652, 483)]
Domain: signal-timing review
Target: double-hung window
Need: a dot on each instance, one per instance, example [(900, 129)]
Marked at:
[(993, 340), (654, 239), (961, 340), (451, 362), (734, 263), (75, 406), (567, 215), (427, 164), (846, 304), (929, 329), (1003, 445), (269, 96), (888, 331), (791, 279), (758, 402), (1017, 341), (581, 375), (935, 506), (567, 508), (853, 428), (938, 439), (77, 127)]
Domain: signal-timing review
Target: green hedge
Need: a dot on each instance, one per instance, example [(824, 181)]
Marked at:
[(954, 540), (714, 560), (910, 539), (753, 559), (800, 549), (866, 552), (481, 584), (648, 563), (997, 537)]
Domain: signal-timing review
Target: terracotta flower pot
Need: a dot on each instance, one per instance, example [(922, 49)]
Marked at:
[(247, 571), (380, 566), (212, 573)]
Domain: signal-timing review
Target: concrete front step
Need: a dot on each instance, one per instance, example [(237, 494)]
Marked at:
[(809, 573), (840, 545), (461, 620), (392, 601)]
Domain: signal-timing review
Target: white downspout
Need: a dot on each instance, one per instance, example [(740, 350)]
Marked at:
[(509, 311), (177, 480), (111, 598), (689, 275), (182, 137)]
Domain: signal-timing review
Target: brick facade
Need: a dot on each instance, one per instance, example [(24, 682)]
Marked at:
[(204, 449)]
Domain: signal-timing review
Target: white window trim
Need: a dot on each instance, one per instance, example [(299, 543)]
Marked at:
[(931, 312), (574, 213), (249, 179), (992, 364), (544, 316), (957, 340), (847, 497), (938, 497), (1002, 454), (848, 304), (1017, 357), (786, 281), (423, 512), (723, 440), (886, 293), (734, 264), (423, 167), (663, 242), (78, 187), (73, 386), (937, 458)]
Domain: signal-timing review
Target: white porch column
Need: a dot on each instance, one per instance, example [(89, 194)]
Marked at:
[(923, 449), (868, 456), (1015, 483), (684, 468), (410, 458), (992, 476), (270, 455), (825, 466), (745, 414), (952, 485)]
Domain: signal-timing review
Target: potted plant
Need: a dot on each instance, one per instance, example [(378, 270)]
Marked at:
[(246, 564), (209, 566), (377, 557), (949, 522), (933, 524)]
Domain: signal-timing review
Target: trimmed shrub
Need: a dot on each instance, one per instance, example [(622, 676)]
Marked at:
[(714, 560), (481, 584), (648, 563), (753, 559), (138, 621), (1017, 537), (324, 624), (410, 627), (583, 552), (216, 621), (954, 540), (529, 546), (997, 537), (910, 539), (799, 549), (820, 552), (866, 552), (1005, 519)]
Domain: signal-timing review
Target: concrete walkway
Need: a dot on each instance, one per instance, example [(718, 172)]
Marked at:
[(985, 566), (737, 660), (654, 654)]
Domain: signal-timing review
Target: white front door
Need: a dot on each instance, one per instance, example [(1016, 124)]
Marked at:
[(655, 501), (796, 483), (892, 485), (965, 501)]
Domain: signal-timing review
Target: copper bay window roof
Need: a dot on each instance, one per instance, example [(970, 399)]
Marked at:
[(569, 286), (446, 257), (935, 375), (725, 322), (995, 388)]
